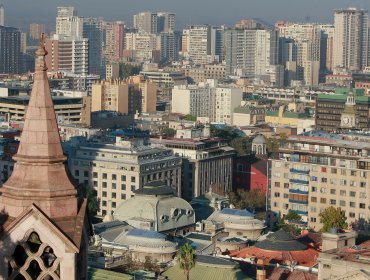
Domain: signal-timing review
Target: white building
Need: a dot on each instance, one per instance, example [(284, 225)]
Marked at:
[(115, 171), (351, 39), (68, 23), (226, 99), (199, 44), (191, 100)]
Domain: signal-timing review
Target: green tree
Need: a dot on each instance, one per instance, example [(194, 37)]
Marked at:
[(170, 132), (126, 70), (333, 217), (187, 258), (273, 144), (91, 195), (190, 118), (242, 145), (227, 133), (254, 199), (292, 216)]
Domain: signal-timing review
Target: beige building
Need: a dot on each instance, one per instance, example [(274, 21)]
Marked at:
[(342, 259), (248, 115), (125, 97), (318, 170), (117, 170), (112, 71), (36, 29)]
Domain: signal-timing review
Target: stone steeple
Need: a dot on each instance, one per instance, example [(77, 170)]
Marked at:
[(39, 175)]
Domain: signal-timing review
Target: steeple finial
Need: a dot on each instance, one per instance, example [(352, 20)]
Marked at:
[(40, 64)]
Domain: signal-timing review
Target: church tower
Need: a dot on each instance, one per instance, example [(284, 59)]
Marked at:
[(43, 225), (348, 117)]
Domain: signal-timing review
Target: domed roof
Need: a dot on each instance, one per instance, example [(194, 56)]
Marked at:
[(157, 206), (280, 241), (259, 139)]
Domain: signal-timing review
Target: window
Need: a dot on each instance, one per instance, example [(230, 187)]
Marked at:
[(114, 186), (352, 204), (95, 174), (277, 184), (363, 184), (342, 193), (132, 188), (313, 220), (332, 191), (362, 195), (333, 202), (123, 187), (286, 195), (353, 172), (77, 173), (313, 189), (104, 175), (352, 194), (327, 266), (343, 172), (113, 204), (352, 215), (86, 173), (95, 183), (104, 194), (323, 200), (123, 177), (313, 209), (277, 194), (286, 185), (114, 195), (314, 178), (333, 171), (104, 203), (342, 203), (313, 199), (104, 184), (362, 205), (324, 180), (123, 196), (114, 177), (323, 169), (133, 179)]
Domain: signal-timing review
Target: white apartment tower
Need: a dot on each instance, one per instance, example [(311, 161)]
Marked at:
[(199, 43), (68, 23), (2, 15), (351, 39)]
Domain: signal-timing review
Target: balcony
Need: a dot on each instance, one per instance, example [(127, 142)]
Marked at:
[(298, 191), (298, 201), (297, 181), (299, 171), (299, 212)]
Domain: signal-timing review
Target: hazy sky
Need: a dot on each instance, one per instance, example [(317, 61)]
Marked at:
[(20, 13)]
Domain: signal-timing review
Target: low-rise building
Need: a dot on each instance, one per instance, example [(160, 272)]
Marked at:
[(115, 171)]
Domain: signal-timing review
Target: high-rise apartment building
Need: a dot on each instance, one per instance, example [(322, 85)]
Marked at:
[(144, 46), (224, 100), (36, 29), (2, 15), (217, 42), (68, 23), (10, 50), (152, 22), (300, 51), (351, 41), (68, 54), (125, 97), (315, 171), (115, 171), (327, 47), (199, 37), (114, 39), (250, 50), (93, 32)]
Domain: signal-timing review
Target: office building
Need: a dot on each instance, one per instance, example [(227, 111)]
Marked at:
[(351, 41), (68, 54), (117, 170), (46, 224), (10, 50), (166, 22), (206, 164), (343, 110), (317, 170), (93, 32), (36, 29), (153, 23)]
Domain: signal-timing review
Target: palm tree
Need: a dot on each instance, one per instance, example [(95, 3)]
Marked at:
[(186, 256)]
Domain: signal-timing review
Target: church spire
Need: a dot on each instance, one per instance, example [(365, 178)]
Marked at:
[(39, 175)]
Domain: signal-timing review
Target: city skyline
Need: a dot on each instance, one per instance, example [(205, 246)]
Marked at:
[(221, 12)]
